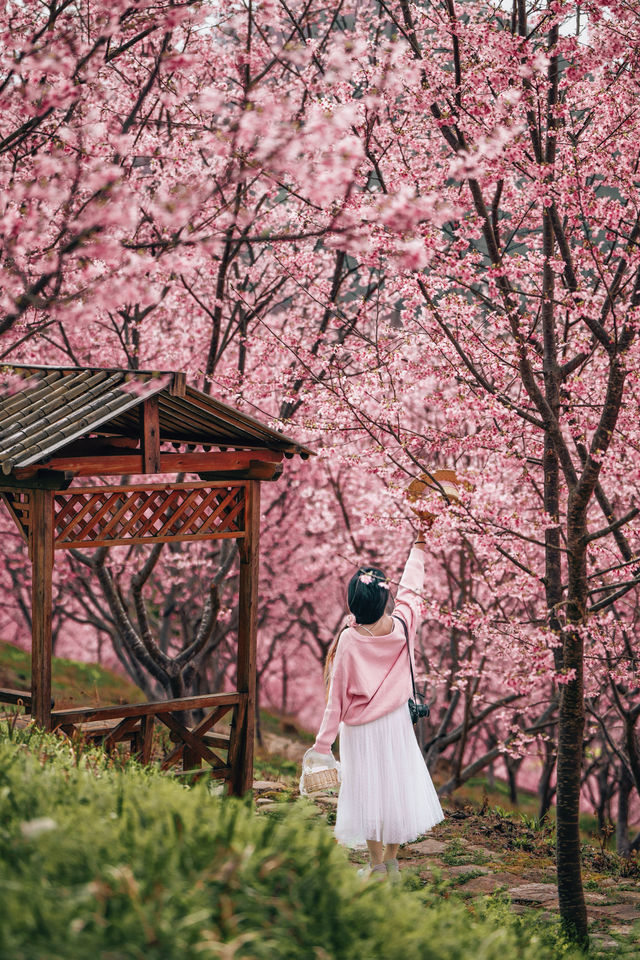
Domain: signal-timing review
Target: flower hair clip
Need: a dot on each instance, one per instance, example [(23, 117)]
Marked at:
[(370, 578)]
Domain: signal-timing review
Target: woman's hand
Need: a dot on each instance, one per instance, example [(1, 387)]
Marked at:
[(424, 524), (315, 759)]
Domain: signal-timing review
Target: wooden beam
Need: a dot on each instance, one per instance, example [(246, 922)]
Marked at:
[(235, 737), (150, 432), (257, 470), (178, 386), (201, 731), (144, 744), (36, 478), (133, 463), (197, 749), (41, 535), (119, 732), (242, 773), (18, 520)]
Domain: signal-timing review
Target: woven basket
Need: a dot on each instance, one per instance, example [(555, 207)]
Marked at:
[(315, 780)]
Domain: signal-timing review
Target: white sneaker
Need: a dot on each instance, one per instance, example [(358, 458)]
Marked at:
[(379, 872), (393, 870)]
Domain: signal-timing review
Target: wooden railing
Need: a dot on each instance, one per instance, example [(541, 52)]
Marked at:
[(134, 722), (23, 697), (20, 697)]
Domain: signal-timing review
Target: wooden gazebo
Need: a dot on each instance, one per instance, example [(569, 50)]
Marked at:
[(58, 424)]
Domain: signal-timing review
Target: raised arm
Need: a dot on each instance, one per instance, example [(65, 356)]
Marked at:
[(411, 584)]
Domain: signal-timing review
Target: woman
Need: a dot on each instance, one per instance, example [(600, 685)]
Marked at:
[(386, 796)]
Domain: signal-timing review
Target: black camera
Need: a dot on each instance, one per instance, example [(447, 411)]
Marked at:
[(418, 710)]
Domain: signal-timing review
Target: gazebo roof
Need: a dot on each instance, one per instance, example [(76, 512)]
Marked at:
[(44, 409)]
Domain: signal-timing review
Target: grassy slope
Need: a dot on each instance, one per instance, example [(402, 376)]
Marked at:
[(74, 683)]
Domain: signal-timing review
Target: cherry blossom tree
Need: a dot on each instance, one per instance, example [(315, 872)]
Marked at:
[(409, 232)]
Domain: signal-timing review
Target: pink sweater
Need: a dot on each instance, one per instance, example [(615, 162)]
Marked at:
[(371, 675)]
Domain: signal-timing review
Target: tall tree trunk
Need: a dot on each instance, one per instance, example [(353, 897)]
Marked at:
[(625, 783), (545, 791), (258, 727), (512, 776), (570, 735), (603, 803)]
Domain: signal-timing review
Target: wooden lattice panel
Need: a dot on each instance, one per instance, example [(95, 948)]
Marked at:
[(18, 505), (149, 513)]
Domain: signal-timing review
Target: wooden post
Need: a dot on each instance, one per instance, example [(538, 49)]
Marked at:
[(191, 760), (41, 533), (144, 743), (249, 547), (178, 386), (150, 436)]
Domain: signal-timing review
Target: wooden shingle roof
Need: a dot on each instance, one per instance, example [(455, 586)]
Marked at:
[(44, 409)]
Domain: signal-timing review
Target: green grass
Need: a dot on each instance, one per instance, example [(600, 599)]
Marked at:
[(458, 853), (73, 683), (285, 725)]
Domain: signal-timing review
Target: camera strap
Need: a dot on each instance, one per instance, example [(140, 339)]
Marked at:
[(406, 636)]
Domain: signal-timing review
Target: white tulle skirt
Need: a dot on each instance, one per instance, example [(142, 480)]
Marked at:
[(386, 792)]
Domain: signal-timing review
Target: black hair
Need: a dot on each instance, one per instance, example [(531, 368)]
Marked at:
[(367, 594)]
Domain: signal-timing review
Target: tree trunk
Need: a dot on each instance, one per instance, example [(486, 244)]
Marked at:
[(625, 783), (545, 790), (605, 789), (570, 732), (258, 726), (512, 775), (570, 737), (491, 777), (178, 690), (571, 709)]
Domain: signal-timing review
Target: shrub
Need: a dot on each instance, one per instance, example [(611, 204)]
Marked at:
[(101, 863)]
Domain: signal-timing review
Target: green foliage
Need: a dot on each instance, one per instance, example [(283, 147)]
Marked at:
[(459, 853), (611, 863), (111, 862), (459, 879), (536, 824)]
